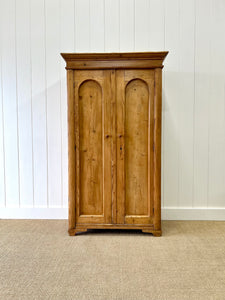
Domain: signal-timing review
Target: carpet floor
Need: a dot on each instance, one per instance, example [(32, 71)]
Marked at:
[(38, 260)]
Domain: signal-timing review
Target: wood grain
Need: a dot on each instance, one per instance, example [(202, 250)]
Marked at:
[(157, 148), (113, 131), (71, 149), (118, 64), (109, 168), (160, 55), (136, 147), (138, 60), (93, 146), (120, 174), (90, 150), (135, 125), (115, 146)]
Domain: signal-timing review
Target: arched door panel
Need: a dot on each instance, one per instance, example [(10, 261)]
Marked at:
[(93, 147), (134, 103)]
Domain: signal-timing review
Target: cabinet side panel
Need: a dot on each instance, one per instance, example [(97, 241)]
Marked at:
[(71, 149), (157, 148), (91, 143), (136, 147)]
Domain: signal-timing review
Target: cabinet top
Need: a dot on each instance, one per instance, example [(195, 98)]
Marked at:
[(130, 60)]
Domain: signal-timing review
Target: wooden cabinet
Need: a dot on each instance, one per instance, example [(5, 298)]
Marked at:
[(114, 140)]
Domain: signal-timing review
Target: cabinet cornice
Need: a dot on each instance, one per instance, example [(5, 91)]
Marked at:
[(130, 60)]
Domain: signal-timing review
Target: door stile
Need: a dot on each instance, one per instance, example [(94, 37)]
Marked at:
[(77, 150), (120, 157), (107, 146), (113, 144), (151, 148)]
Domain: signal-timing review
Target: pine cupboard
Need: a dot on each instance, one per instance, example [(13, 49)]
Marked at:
[(114, 140)]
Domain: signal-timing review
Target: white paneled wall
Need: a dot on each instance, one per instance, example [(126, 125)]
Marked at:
[(33, 106)]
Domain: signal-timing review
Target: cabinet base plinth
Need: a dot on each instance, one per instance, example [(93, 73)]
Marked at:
[(74, 231)]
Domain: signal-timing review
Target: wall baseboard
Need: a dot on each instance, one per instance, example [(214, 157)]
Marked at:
[(33, 213), (195, 213), (168, 213)]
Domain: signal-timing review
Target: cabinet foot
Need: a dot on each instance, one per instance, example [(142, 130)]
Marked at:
[(154, 232), (74, 231), (157, 233), (71, 232)]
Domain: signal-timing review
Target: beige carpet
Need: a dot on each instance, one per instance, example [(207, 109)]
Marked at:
[(38, 260)]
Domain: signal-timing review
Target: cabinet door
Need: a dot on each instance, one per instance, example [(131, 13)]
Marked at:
[(92, 91), (134, 123)]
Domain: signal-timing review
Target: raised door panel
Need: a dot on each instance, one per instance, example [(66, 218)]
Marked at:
[(93, 146), (134, 105)]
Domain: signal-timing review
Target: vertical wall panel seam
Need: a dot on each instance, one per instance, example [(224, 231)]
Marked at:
[(46, 113), (148, 24), (60, 107), (119, 23), (164, 24), (104, 21), (17, 113), (164, 106), (178, 105), (194, 104), (31, 101), (134, 16), (3, 134), (210, 99), (74, 24), (89, 19)]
